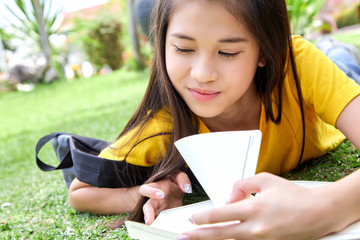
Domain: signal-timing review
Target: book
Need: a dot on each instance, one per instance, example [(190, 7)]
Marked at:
[(217, 160)]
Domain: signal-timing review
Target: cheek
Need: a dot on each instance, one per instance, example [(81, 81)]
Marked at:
[(246, 67), (175, 67), (240, 75)]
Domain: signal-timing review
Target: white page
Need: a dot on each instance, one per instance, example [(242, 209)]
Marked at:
[(219, 159), (145, 232), (177, 219), (170, 223)]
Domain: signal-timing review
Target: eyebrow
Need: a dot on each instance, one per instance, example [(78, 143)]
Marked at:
[(182, 36), (225, 40), (233, 40)]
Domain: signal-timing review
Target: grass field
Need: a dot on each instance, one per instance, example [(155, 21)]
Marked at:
[(33, 204)]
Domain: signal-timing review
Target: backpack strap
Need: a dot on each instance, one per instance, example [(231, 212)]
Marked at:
[(89, 168), (65, 162)]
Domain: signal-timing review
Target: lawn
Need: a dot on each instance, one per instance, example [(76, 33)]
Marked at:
[(33, 204)]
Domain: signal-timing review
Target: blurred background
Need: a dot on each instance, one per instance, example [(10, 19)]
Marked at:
[(48, 40)]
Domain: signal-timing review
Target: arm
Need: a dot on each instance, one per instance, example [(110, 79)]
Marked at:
[(87, 198), (164, 194), (282, 210), (348, 122)]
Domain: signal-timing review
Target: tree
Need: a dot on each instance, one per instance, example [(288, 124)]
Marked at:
[(4, 46), (134, 36), (36, 23), (44, 39)]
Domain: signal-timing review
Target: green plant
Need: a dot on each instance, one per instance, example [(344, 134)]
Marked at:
[(103, 37), (35, 21), (302, 14), (104, 46), (5, 38), (348, 17)]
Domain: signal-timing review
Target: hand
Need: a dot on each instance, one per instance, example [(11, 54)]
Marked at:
[(280, 210), (164, 194)]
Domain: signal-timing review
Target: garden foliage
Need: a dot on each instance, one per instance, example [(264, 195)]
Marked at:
[(348, 17), (302, 14)]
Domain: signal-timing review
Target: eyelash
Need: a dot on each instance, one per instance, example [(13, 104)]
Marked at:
[(223, 54), (229, 55), (183, 50)]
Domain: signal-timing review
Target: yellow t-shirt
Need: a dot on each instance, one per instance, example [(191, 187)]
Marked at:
[(144, 147), (326, 92)]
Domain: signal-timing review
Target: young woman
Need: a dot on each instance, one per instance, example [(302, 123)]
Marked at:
[(232, 65)]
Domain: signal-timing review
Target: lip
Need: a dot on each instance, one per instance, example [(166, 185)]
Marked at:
[(203, 95)]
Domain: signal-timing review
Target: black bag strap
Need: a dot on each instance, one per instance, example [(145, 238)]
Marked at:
[(90, 168), (66, 162)]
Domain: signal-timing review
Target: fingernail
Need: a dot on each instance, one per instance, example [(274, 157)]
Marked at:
[(187, 188), (146, 221), (191, 221), (159, 195), (182, 237)]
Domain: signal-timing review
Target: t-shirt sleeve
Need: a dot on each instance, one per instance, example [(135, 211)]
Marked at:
[(142, 148), (324, 85)]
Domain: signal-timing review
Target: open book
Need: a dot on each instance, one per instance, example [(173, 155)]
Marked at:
[(218, 160)]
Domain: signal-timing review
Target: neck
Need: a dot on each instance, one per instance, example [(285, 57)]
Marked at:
[(245, 117)]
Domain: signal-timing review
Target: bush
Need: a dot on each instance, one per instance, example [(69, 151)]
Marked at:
[(103, 45), (348, 17), (302, 14)]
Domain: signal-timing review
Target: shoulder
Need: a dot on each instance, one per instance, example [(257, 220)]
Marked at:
[(142, 145), (324, 86), (305, 50)]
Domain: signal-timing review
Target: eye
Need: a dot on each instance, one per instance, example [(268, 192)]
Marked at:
[(183, 50), (228, 55)]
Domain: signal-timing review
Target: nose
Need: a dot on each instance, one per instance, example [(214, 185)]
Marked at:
[(204, 69)]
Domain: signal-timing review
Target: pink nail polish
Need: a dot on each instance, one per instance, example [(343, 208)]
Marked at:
[(159, 195), (182, 237), (187, 188)]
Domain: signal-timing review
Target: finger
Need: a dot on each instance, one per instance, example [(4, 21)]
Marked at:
[(232, 212), (149, 212), (151, 192), (230, 231), (244, 188), (183, 181)]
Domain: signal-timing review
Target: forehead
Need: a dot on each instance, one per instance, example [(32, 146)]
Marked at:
[(204, 17)]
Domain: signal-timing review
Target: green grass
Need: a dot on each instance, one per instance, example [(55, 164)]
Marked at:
[(351, 37), (33, 204)]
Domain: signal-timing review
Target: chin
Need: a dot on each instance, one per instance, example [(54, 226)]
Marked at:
[(205, 114)]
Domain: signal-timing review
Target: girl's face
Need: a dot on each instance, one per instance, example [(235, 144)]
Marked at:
[(211, 58)]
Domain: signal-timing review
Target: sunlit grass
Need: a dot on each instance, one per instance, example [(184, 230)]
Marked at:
[(33, 204), (351, 37)]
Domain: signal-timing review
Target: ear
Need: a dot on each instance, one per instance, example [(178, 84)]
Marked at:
[(262, 61)]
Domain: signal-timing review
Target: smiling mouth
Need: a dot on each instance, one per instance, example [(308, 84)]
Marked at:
[(203, 95)]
